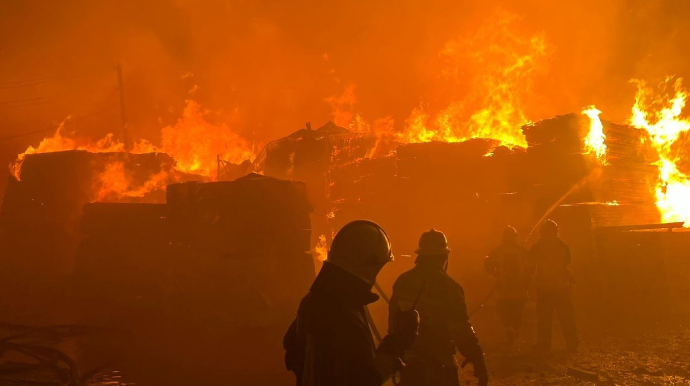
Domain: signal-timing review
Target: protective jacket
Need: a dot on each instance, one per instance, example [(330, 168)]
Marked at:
[(507, 264), (548, 260), (330, 342), (444, 323)]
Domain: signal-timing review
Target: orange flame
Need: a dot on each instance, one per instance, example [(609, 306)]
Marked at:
[(342, 106), (503, 64), (321, 249), (595, 141), (193, 142), (115, 184), (659, 112), (60, 143)]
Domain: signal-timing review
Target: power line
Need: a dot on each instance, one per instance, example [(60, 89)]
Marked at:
[(46, 99), (36, 81), (26, 134), (4, 103), (47, 78), (71, 121)]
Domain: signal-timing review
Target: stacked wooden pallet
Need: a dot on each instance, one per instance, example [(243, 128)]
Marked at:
[(229, 271), (616, 191), (39, 218)]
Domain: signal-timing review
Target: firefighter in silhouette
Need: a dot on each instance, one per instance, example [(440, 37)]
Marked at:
[(507, 264), (548, 261), (330, 342), (444, 323)]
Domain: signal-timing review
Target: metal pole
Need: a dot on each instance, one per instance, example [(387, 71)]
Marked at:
[(121, 88)]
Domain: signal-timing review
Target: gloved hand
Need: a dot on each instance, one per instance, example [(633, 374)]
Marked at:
[(405, 332), (480, 370)]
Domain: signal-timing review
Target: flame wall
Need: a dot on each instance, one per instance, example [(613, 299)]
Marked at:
[(263, 68)]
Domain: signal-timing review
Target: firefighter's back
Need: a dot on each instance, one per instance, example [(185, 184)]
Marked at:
[(436, 295)]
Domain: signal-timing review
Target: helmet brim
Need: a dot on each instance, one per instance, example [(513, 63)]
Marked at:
[(432, 251)]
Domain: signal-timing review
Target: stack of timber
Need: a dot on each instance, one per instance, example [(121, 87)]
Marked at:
[(645, 276), (361, 187), (218, 271), (260, 224), (300, 153), (40, 217), (617, 191)]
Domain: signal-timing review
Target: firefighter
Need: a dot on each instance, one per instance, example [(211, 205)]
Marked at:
[(330, 342), (507, 264), (444, 323), (548, 261)]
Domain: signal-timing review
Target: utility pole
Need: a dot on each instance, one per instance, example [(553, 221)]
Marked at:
[(218, 165), (121, 88)]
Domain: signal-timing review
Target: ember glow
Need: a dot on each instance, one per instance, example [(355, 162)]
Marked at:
[(595, 141), (321, 249), (659, 111)]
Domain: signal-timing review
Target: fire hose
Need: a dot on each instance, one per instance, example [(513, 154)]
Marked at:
[(33, 342)]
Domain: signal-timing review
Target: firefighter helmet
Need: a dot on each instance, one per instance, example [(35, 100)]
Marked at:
[(509, 233), (433, 242), (362, 248), (549, 228)]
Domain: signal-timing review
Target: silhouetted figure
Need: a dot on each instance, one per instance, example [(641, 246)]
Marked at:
[(507, 264), (330, 342), (444, 323), (548, 260)]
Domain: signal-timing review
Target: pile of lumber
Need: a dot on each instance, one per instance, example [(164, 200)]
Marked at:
[(297, 155), (619, 191), (39, 217), (645, 276), (218, 271)]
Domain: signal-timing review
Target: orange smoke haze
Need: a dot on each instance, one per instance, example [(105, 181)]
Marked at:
[(443, 69)]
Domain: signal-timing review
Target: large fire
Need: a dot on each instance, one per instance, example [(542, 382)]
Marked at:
[(193, 141), (496, 63), (58, 142), (595, 141), (502, 64), (659, 112)]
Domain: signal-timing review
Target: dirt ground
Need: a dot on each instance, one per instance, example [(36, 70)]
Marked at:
[(657, 357)]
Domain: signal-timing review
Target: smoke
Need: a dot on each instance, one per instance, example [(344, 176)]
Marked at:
[(265, 67)]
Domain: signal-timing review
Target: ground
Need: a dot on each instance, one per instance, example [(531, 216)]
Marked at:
[(660, 357)]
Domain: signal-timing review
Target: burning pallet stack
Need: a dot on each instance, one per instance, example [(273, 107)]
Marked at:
[(616, 191)]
